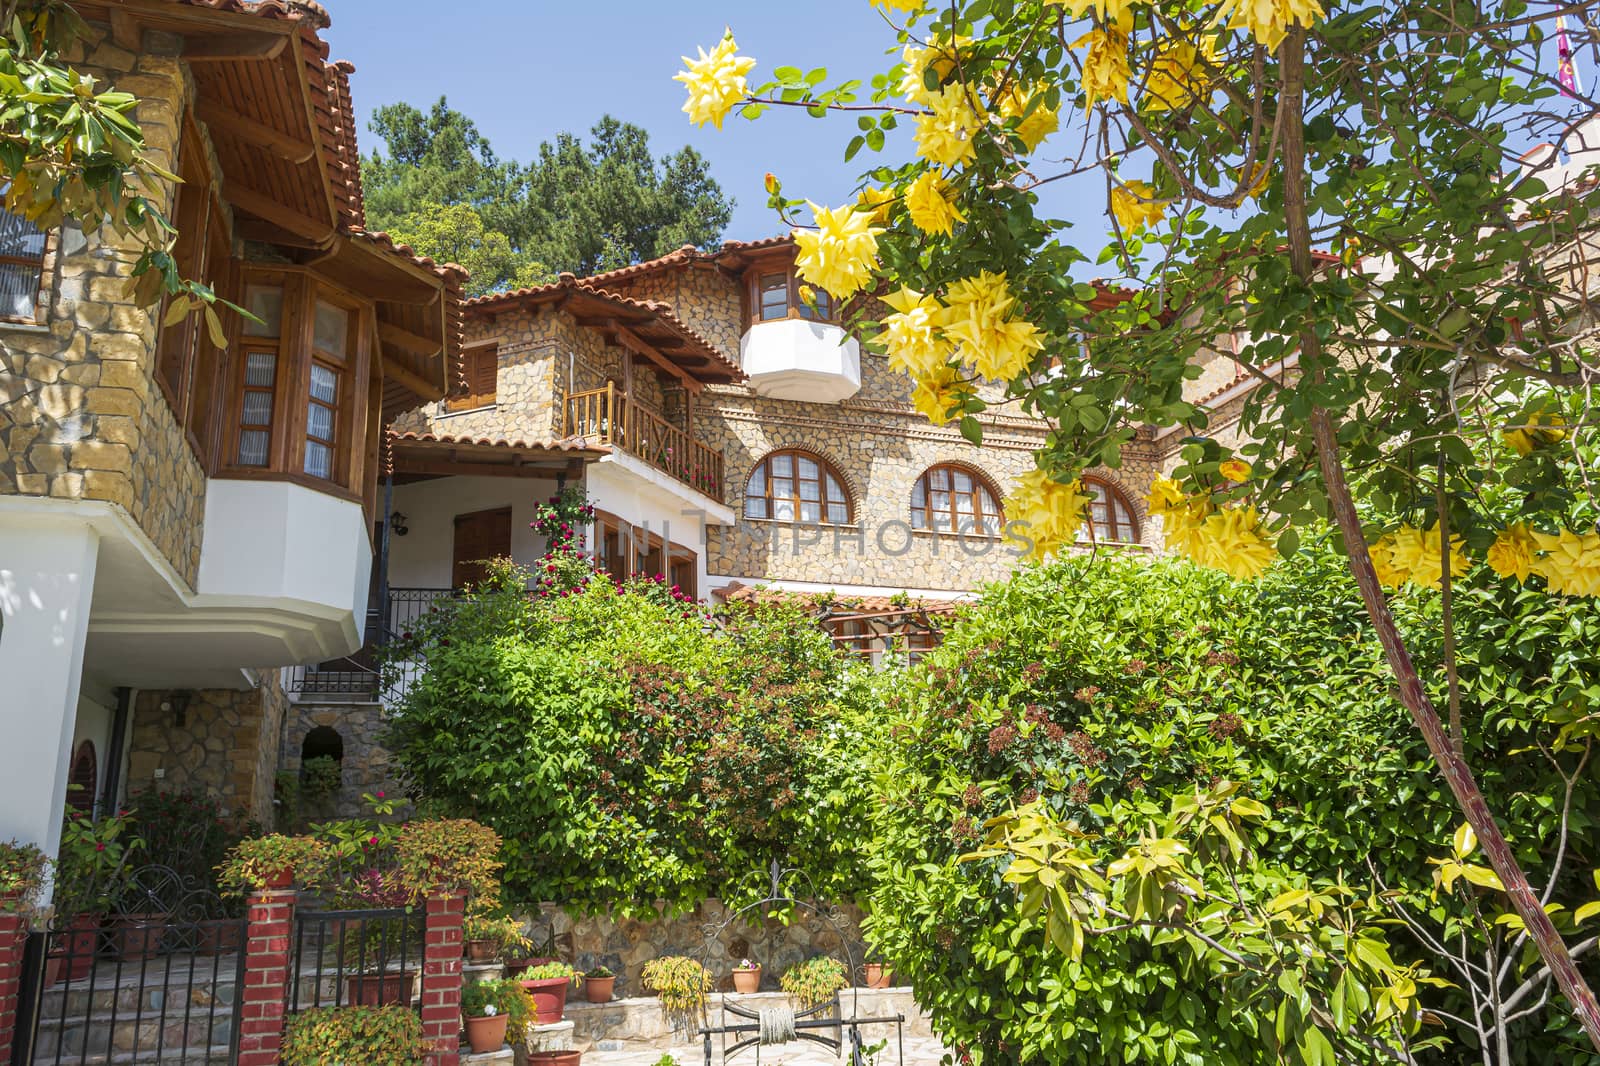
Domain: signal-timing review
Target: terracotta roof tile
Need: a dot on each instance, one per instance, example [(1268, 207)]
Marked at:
[(565, 444)]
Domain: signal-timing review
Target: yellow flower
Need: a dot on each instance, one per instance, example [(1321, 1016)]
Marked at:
[(911, 335), (910, 7), (1051, 511), (841, 253), (945, 137), (1570, 562), (876, 203), (977, 317), (1382, 554), (1134, 205), (1511, 554), (1181, 517), (940, 57), (1033, 128), (1261, 176), (1268, 20), (1175, 77), (1235, 470), (1105, 67), (929, 203), (1166, 497), (1231, 540), (1412, 555), (716, 82), (1531, 436), (1112, 12), (934, 394)]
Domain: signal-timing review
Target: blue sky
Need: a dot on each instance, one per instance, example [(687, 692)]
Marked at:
[(525, 71)]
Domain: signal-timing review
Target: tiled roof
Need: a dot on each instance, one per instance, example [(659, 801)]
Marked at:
[(478, 454), (565, 444)]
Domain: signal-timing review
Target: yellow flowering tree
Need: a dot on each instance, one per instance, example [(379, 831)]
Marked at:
[(1340, 197)]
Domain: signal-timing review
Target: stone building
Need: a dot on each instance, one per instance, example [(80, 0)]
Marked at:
[(180, 521)]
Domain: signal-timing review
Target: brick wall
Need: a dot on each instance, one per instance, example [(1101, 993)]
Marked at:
[(263, 1003), (13, 935), (441, 977)]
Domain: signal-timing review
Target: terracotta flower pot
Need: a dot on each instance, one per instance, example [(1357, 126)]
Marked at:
[(74, 947), (481, 951), (554, 1058), (487, 1034), (878, 975), (218, 938), (747, 981), (379, 989), (138, 935), (549, 997), (599, 989)]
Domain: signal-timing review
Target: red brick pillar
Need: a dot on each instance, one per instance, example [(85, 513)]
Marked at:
[(264, 1003), (13, 936), (441, 977)]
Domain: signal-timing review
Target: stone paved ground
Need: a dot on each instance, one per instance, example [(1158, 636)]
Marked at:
[(919, 1051)]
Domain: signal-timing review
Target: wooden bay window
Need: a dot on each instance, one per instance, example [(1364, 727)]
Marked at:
[(772, 293)]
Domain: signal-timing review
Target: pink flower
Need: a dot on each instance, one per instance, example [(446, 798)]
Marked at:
[(100, 846), (380, 795), (374, 840)]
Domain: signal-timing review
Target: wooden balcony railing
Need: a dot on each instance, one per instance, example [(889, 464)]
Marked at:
[(608, 416)]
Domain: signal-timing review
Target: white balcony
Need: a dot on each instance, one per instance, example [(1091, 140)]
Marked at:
[(797, 359)]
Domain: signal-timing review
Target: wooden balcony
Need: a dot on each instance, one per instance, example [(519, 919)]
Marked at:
[(608, 416)]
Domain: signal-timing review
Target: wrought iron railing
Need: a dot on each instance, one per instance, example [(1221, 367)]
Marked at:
[(363, 674), (357, 958), (608, 416)]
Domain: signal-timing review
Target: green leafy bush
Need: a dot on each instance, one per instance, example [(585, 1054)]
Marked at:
[(813, 981), (508, 997), (681, 982), (1109, 689), (629, 748), (355, 1036)]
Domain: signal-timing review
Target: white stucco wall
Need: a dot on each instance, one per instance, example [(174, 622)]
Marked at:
[(646, 498), (422, 558), (47, 571)]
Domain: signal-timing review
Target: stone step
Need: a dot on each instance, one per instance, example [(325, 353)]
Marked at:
[(77, 999), (156, 1038), (219, 1055)]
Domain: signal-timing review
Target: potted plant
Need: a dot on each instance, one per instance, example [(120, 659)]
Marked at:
[(22, 870), (372, 1036), (549, 984), (747, 977), (598, 985), (814, 982), (492, 1010), (90, 864), (489, 936), (879, 975), (682, 983), (554, 1058), (260, 864)]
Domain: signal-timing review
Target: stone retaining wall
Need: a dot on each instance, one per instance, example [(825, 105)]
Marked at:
[(625, 945)]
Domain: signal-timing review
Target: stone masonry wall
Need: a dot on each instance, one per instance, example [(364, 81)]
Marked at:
[(80, 415), (366, 763), (226, 746), (625, 945)]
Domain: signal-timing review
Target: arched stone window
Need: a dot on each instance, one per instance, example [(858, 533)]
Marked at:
[(83, 778), (1110, 513), (955, 498), (797, 486), (322, 742)]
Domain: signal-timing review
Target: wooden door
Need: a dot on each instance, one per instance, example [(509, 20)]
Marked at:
[(480, 535)]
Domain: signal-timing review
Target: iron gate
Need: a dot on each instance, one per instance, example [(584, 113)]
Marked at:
[(159, 980)]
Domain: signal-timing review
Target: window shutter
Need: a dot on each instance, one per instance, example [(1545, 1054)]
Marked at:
[(485, 369)]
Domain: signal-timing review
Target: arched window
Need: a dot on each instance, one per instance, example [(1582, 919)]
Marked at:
[(83, 778), (1110, 513), (794, 486), (950, 498)]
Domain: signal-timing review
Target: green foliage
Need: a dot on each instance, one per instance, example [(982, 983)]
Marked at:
[(91, 859), (628, 748), (22, 870), (372, 1036), (448, 854), (321, 777), (1107, 690), (579, 207), (813, 981), (260, 863), (681, 982), (507, 997), (549, 971)]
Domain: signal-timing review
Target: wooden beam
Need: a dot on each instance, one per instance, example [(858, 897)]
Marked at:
[(233, 47), (265, 207), (280, 144), (633, 342), (418, 384), (427, 347)]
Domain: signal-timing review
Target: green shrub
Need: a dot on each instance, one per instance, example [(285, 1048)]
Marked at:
[(813, 981), (321, 777), (355, 1036), (508, 997), (628, 748), (1107, 689)]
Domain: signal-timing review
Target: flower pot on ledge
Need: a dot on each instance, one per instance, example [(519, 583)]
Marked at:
[(549, 997), (599, 989), (379, 989), (747, 981), (488, 1033)]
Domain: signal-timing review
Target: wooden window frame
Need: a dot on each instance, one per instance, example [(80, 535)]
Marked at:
[(981, 483), (46, 247), (795, 308), (1115, 497), (826, 470), (472, 396)]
